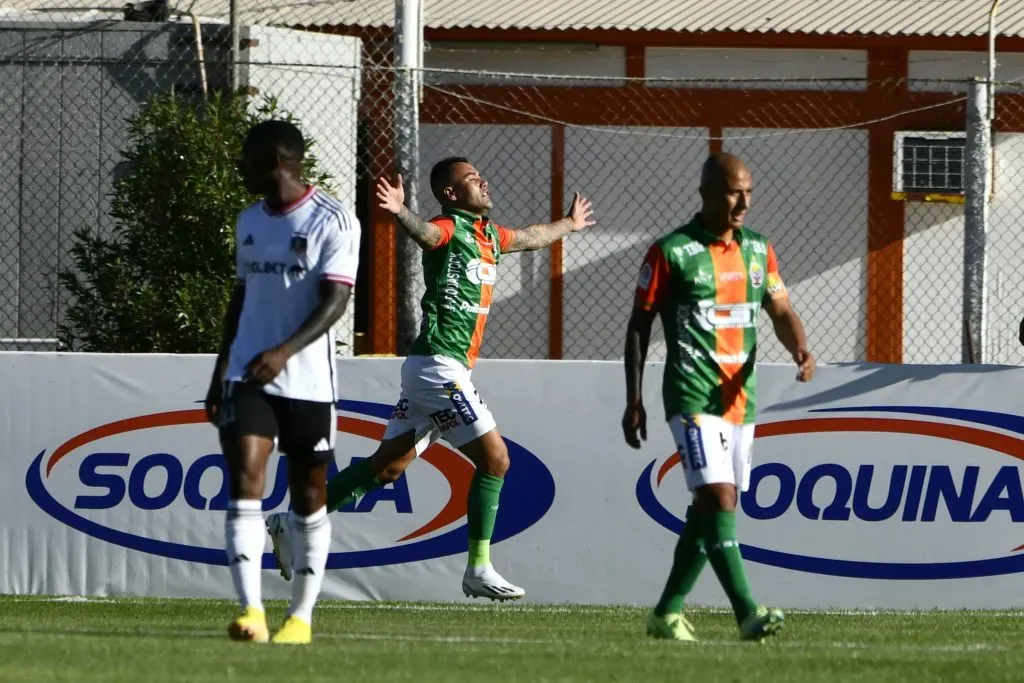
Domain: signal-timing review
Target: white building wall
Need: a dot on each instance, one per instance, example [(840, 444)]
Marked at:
[(938, 70), (780, 69), (644, 185), (933, 270), (476, 63), (810, 201), (933, 258), (1005, 268)]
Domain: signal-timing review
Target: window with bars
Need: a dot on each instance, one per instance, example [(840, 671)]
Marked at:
[(932, 164)]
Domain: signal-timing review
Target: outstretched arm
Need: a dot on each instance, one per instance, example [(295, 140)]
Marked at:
[(535, 237), (392, 198)]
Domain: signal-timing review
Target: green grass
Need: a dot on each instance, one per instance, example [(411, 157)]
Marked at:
[(183, 640)]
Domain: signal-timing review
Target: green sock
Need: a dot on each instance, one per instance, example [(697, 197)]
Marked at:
[(481, 511), (686, 568), (724, 553), (351, 484)]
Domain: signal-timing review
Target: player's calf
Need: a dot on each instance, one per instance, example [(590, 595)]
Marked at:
[(310, 533), (490, 455)]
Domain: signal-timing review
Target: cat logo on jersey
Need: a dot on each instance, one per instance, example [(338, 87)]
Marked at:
[(480, 273), (756, 275)]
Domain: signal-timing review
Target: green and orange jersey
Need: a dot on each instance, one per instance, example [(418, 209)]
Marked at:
[(460, 273), (709, 295)]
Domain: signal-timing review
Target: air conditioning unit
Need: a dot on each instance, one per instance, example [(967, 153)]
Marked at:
[(929, 166)]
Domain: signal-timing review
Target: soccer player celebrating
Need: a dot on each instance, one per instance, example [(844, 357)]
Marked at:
[(709, 280), (461, 251), (297, 255)]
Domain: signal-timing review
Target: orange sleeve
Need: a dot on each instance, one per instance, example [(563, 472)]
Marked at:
[(775, 288), (653, 283), (447, 227), (505, 237)]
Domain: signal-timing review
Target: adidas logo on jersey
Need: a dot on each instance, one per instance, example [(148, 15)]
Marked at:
[(248, 241), (321, 446)]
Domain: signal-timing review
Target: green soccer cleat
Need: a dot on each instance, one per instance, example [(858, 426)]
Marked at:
[(670, 627), (762, 623)]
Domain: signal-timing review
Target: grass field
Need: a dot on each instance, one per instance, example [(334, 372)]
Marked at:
[(72, 639)]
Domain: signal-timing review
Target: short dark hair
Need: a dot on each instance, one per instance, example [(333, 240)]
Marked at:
[(283, 135), (441, 174)]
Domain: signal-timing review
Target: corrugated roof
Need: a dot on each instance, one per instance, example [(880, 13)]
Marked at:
[(879, 17)]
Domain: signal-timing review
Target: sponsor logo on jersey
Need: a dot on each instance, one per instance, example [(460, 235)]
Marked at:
[(264, 267), (298, 244), (712, 316), (692, 248), (480, 273), (702, 278), (900, 472), (248, 241), (158, 484), (467, 307), (453, 271), (775, 284), (759, 248), (730, 276)]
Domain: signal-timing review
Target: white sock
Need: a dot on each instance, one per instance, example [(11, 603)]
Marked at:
[(311, 542), (245, 535)]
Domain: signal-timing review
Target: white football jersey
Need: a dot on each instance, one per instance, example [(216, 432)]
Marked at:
[(282, 257)]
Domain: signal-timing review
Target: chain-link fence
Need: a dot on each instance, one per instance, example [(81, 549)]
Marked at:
[(872, 253)]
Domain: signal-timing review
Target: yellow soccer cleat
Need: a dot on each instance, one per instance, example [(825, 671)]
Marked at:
[(294, 632), (670, 627), (251, 627)]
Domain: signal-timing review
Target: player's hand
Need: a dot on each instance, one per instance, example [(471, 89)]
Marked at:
[(580, 212), (212, 402), (392, 197), (269, 364), (806, 365), (634, 420)]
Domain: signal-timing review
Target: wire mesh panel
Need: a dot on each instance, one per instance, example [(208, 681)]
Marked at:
[(858, 182)]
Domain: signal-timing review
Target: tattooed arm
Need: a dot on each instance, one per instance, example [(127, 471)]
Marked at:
[(539, 236), (424, 233), (392, 198)]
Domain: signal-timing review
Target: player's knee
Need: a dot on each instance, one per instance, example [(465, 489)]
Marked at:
[(247, 485), (496, 460)]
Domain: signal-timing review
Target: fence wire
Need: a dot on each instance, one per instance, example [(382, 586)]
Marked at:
[(869, 243)]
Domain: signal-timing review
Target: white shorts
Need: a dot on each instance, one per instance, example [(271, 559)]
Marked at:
[(438, 401), (713, 451)]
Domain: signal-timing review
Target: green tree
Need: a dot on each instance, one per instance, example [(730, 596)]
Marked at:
[(161, 280)]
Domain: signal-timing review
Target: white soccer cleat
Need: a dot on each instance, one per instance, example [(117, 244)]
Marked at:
[(485, 582), (277, 527)]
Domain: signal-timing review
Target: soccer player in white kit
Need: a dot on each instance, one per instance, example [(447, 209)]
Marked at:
[(274, 381)]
